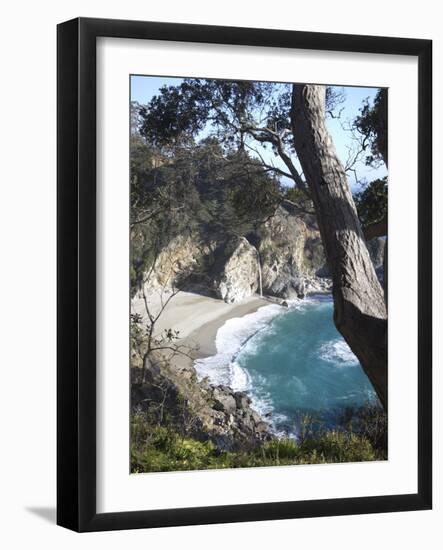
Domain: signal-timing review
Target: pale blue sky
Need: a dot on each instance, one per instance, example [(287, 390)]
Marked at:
[(143, 88)]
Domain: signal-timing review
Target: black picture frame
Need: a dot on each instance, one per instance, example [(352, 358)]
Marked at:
[(76, 265)]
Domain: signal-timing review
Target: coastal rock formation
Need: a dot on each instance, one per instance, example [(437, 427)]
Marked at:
[(292, 255), (180, 258), (236, 271), (234, 423), (198, 409), (284, 258)]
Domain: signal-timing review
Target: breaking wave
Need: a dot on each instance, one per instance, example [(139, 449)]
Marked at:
[(338, 353), (231, 337), (291, 361)]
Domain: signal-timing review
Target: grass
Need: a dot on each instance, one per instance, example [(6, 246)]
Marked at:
[(157, 448)]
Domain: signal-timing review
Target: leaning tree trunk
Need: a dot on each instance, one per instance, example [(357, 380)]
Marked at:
[(359, 306)]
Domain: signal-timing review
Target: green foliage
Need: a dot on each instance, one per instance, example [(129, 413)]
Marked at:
[(372, 124), (157, 448), (197, 189), (337, 446), (281, 450), (178, 113), (371, 422), (233, 108), (295, 195), (372, 202), (174, 115)]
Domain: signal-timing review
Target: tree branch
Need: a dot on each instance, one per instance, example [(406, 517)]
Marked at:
[(266, 135)]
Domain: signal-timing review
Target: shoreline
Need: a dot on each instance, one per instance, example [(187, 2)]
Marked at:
[(205, 335), (197, 318)]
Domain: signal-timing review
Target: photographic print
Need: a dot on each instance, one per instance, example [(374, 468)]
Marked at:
[(258, 274), (224, 274)]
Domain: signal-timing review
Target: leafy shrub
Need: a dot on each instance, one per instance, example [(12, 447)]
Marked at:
[(161, 448), (335, 446), (281, 449)]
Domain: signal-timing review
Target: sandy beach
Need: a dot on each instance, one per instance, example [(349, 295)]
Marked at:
[(196, 317)]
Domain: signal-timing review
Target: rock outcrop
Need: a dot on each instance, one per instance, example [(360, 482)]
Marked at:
[(179, 260), (292, 256), (285, 254), (284, 258), (236, 271), (198, 409)]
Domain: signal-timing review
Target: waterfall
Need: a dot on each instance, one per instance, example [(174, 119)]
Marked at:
[(259, 273)]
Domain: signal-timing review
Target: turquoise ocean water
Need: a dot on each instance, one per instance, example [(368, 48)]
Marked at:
[(292, 362)]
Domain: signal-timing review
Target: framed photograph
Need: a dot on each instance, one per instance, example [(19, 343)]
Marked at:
[(240, 213)]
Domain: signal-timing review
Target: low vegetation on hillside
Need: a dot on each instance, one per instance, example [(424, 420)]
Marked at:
[(363, 437)]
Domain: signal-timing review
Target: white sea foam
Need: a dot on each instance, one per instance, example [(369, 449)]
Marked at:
[(338, 353), (240, 379), (241, 337), (235, 333)]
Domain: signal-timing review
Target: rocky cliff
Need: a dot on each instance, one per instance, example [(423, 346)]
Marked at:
[(236, 271), (292, 254), (171, 392), (283, 258)]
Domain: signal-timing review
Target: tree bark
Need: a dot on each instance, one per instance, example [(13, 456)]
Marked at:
[(382, 125), (359, 306)]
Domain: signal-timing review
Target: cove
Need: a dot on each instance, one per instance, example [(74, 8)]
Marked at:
[(292, 362)]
